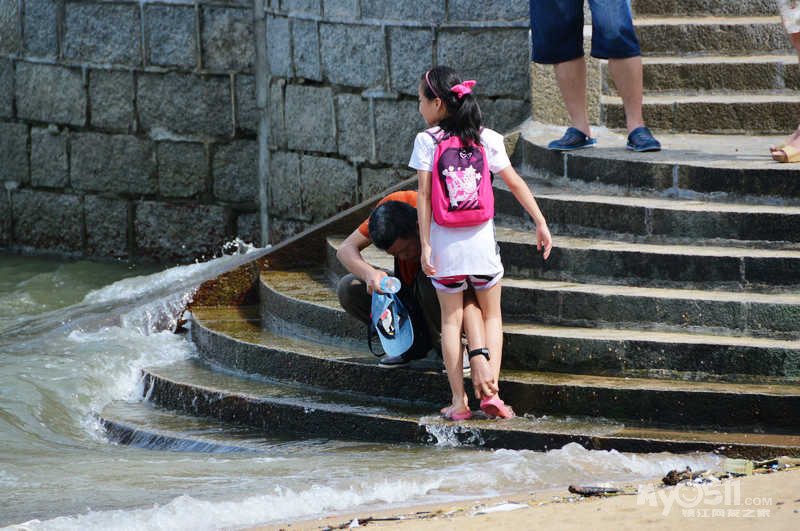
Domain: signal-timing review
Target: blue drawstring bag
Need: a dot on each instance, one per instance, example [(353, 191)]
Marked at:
[(389, 319)]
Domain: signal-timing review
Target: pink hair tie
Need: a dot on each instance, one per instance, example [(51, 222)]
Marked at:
[(463, 88), (428, 81)]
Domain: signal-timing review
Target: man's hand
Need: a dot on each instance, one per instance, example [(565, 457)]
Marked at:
[(373, 280), (483, 380)]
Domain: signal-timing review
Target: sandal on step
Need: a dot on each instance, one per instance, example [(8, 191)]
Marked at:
[(449, 415), (494, 407), (787, 154)]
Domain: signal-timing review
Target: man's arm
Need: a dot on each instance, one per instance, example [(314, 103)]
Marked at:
[(349, 254)]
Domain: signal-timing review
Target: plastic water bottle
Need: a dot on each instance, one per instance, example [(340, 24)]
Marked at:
[(390, 284)]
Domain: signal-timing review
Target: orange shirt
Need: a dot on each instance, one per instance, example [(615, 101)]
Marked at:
[(406, 269)]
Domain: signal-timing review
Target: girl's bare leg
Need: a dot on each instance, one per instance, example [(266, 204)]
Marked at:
[(452, 306), (489, 301)]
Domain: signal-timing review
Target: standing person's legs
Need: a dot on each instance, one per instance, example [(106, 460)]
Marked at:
[(614, 38), (557, 39), (790, 15), (627, 76), (779, 153), (571, 79)]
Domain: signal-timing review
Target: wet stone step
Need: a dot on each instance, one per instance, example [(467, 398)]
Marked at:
[(142, 425), (195, 389), (243, 345), (305, 299), (568, 349)]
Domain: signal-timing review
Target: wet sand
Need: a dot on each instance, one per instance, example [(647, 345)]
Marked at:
[(768, 501)]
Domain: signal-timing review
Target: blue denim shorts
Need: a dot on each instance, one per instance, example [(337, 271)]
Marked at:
[(557, 30)]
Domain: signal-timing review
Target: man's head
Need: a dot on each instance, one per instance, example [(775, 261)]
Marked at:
[(393, 228)]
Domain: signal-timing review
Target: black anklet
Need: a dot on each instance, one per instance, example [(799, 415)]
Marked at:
[(479, 352)]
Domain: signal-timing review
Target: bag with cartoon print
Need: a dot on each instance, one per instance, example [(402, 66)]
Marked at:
[(461, 186)]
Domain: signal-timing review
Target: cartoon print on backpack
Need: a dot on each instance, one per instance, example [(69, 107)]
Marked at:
[(462, 182), (462, 195)]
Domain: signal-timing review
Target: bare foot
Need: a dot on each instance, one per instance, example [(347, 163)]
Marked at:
[(791, 140), (456, 413), (456, 406)]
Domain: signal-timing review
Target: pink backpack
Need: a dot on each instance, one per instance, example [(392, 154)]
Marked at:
[(461, 187)]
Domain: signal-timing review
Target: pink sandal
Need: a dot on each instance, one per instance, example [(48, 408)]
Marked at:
[(494, 407), (449, 415)]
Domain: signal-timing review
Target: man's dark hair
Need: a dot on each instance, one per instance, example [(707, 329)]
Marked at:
[(390, 221)]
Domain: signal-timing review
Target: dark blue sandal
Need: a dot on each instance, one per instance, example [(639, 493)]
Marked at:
[(641, 139), (573, 139)]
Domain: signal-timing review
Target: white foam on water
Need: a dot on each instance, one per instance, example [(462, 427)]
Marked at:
[(458, 476), (189, 513), (174, 279)]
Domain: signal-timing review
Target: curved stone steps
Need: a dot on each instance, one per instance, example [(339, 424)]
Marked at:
[(643, 264), (562, 348), (234, 338), (287, 296), (631, 352), (738, 8), (595, 261), (693, 75), (141, 425), (657, 219), (767, 113), (713, 35), (694, 166), (200, 391)]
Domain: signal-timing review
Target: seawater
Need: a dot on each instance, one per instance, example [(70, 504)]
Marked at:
[(73, 338)]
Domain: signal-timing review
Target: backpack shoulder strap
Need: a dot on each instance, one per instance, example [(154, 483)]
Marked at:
[(436, 134)]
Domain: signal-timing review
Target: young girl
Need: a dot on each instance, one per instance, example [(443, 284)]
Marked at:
[(455, 257)]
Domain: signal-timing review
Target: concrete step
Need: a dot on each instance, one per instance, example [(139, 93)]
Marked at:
[(726, 168), (649, 353), (144, 426), (738, 8), (588, 260), (592, 305), (695, 75), (242, 346), (570, 211), (712, 113), (637, 264), (685, 35), (624, 351), (658, 309)]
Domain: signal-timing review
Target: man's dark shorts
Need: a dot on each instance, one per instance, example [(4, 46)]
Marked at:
[(557, 30)]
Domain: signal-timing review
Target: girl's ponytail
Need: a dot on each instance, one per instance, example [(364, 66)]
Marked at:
[(464, 118)]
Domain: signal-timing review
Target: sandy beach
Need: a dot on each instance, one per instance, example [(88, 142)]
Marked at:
[(766, 500)]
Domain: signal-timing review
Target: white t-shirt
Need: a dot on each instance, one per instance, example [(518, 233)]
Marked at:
[(463, 250)]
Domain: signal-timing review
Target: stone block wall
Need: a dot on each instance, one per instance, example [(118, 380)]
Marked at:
[(121, 131), (133, 129), (342, 92)]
